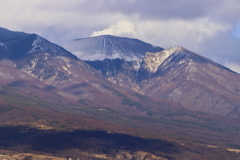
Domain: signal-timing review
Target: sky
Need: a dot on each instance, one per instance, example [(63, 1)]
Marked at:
[(208, 27)]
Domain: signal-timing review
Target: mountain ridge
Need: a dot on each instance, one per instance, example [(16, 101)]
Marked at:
[(160, 74), (17, 45), (51, 68)]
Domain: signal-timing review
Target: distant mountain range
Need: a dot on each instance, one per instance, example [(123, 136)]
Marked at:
[(176, 74), (33, 59), (36, 66)]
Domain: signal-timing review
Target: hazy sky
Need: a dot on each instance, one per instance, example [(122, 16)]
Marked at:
[(208, 27)]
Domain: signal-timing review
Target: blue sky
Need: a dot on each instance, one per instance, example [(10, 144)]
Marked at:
[(210, 28), (236, 31)]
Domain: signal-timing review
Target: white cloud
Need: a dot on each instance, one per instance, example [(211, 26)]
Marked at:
[(236, 31), (167, 33), (118, 29)]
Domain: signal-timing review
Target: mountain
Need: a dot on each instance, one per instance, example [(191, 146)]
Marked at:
[(53, 103), (34, 65), (16, 45), (111, 47), (178, 75), (30, 60), (194, 82)]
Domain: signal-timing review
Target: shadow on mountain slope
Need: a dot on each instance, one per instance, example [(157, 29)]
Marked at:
[(27, 139), (75, 143)]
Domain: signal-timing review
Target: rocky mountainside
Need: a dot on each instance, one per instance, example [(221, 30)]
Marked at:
[(194, 82), (16, 45), (120, 72), (111, 47), (178, 75), (33, 64), (32, 59)]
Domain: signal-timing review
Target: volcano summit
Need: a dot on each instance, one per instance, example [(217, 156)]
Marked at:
[(109, 47)]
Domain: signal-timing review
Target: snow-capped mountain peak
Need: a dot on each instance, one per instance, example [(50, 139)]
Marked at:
[(110, 47)]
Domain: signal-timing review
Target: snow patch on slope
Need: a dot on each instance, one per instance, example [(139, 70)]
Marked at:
[(152, 61), (36, 45), (3, 45)]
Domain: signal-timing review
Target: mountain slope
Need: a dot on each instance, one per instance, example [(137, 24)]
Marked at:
[(10, 43), (43, 66), (178, 75), (111, 47), (196, 83), (121, 72), (15, 45)]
